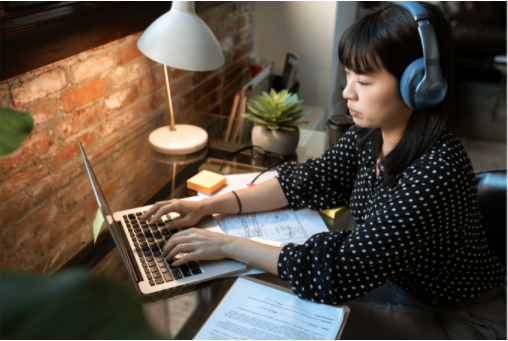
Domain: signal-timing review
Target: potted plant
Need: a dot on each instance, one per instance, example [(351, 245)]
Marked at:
[(275, 117)]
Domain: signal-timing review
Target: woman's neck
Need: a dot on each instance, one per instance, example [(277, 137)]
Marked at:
[(391, 137)]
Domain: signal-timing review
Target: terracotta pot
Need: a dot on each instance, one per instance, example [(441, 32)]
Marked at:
[(277, 141)]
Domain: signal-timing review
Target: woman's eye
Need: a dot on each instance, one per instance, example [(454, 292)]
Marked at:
[(362, 84)]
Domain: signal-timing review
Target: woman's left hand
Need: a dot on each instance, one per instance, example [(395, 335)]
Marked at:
[(202, 245)]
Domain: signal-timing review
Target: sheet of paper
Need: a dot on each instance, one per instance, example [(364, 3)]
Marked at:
[(236, 182), (281, 225), (97, 224), (257, 312)]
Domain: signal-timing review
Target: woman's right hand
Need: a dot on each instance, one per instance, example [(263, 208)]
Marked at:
[(190, 213)]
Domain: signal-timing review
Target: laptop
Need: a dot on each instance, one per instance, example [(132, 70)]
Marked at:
[(140, 245)]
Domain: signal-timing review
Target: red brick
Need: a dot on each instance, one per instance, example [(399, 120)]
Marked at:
[(82, 119), (120, 99), (40, 86), (105, 149), (45, 187), (43, 111), (1, 96), (246, 35), (117, 122), (84, 94), (91, 67), (180, 86), (22, 179), (77, 193), (230, 27), (70, 150), (232, 11), (60, 230), (152, 82), (14, 211), (29, 228), (243, 21), (243, 50), (129, 53), (214, 19), (50, 262), (33, 147), (177, 73), (127, 73)]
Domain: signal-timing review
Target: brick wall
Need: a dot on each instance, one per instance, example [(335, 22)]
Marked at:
[(110, 98)]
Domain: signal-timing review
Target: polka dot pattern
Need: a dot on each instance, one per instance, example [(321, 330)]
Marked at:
[(424, 234)]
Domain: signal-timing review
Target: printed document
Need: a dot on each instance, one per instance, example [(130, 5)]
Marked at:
[(281, 225), (257, 312)]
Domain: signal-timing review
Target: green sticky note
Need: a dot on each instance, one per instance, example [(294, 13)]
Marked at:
[(97, 224)]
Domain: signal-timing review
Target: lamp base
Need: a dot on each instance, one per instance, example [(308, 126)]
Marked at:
[(186, 139)]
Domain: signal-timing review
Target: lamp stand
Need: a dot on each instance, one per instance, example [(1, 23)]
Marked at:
[(177, 139)]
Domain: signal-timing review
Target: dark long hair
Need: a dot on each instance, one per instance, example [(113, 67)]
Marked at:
[(388, 33)]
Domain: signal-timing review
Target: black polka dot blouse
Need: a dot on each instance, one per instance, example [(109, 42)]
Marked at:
[(424, 234)]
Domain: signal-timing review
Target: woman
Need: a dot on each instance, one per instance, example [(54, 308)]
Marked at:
[(418, 265)]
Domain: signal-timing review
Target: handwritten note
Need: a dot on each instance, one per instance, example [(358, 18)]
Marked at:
[(257, 312), (97, 224)]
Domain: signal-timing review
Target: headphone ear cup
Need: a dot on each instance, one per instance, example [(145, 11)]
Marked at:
[(412, 77)]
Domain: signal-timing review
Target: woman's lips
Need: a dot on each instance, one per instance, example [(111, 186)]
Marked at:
[(353, 113)]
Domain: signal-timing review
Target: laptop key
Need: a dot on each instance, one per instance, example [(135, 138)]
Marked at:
[(140, 254), (147, 271), (139, 214), (157, 275), (151, 264), (138, 249), (150, 259), (165, 232), (150, 239), (146, 248), (193, 265), (168, 277), (152, 244), (196, 271), (154, 269), (152, 283), (143, 244), (185, 270), (176, 274), (149, 276), (159, 281), (147, 253), (162, 264), (164, 270), (157, 254), (145, 265), (159, 259), (166, 237), (155, 248)]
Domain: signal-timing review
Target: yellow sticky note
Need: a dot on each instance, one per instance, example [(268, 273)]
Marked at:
[(206, 182), (97, 224), (334, 212), (267, 242)]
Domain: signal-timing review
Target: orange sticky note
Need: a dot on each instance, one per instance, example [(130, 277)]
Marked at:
[(206, 182)]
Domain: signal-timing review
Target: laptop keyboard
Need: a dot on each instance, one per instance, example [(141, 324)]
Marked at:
[(149, 240)]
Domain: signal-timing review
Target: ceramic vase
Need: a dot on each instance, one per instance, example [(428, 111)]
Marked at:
[(277, 141)]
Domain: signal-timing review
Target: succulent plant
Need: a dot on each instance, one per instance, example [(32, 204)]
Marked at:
[(276, 111)]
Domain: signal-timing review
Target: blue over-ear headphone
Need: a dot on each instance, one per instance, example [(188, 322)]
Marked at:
[(422, 85)]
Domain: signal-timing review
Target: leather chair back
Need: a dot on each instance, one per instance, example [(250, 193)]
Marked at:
[(491, 186)]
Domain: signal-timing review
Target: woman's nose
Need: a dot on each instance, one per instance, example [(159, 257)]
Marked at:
[(349, 92)]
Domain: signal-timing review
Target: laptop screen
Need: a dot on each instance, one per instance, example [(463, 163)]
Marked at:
[(114, 229), (106, 212)]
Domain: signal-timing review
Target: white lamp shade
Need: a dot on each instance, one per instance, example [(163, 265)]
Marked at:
[(180, 39)]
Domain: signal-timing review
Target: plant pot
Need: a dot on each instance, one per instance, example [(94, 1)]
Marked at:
[(277, 141)]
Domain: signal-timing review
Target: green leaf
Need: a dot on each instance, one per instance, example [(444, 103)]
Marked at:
[(255, 119), (273, 127), (295, 124), (15, 127), (287, 128), (71, 304)]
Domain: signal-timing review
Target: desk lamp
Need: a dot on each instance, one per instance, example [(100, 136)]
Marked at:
[(180, 39)]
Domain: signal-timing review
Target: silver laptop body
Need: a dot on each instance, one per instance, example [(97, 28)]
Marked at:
[(141, 247)]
